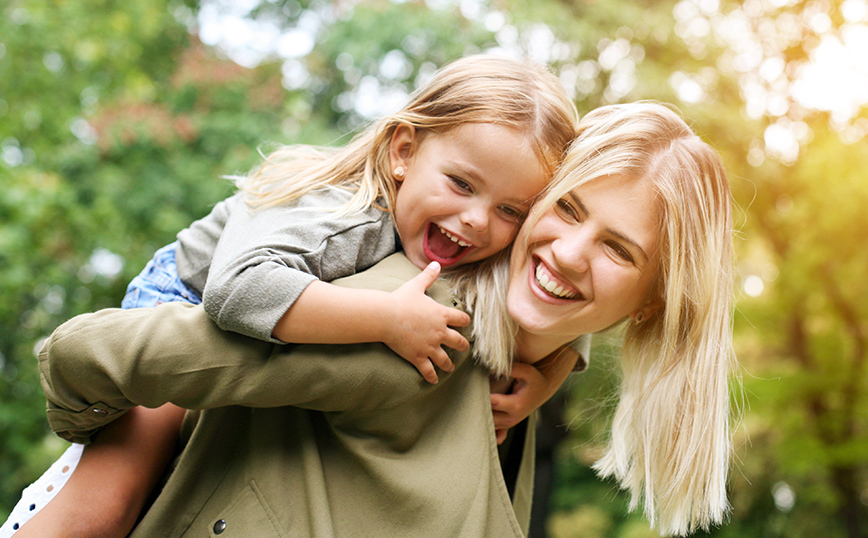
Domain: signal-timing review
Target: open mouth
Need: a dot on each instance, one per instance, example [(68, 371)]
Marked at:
[(443, 247), (548, 283)]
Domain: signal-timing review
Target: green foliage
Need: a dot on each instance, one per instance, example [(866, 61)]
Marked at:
[(108, 153)]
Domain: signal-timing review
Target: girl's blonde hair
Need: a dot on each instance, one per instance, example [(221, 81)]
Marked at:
[(522, 95), (670, 441)]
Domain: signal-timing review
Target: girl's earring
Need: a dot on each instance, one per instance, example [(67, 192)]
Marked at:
[(639, 318), (399, 172)]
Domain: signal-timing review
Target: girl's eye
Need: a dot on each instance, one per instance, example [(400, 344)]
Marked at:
[(460, 184), (512, 213), (620, 251), (566, 210)]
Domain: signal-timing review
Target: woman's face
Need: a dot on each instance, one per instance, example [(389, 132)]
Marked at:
[(588, 262)]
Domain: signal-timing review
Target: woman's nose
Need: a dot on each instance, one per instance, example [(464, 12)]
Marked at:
[(572, 250)]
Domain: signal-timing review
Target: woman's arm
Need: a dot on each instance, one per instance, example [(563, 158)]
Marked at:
[(532, 386), (97, 366)]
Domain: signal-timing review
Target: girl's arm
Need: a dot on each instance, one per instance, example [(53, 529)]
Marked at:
[(269, 268), (533, 385), (412, 324), (114, 478)]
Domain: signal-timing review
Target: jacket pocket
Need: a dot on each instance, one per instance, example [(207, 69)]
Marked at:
[(246, 516)]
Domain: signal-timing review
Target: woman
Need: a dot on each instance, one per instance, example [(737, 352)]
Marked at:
[(638, 223), (348, 441)]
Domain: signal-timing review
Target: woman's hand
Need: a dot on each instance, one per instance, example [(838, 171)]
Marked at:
[(533, 385)]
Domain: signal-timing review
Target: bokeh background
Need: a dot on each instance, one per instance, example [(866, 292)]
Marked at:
[(119, 119)]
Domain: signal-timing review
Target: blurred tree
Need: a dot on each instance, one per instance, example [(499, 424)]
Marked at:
[(801, 324), (117, 126), (56, 62)]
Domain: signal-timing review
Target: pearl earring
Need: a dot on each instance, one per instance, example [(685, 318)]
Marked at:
[(399, 171)]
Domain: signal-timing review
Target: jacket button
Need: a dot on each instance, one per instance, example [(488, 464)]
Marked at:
[(220, 526)]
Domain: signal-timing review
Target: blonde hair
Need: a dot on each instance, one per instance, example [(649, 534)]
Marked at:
[(670, 441), (480, 289), (522, 95)]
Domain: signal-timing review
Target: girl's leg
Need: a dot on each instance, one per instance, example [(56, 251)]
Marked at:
[(117, 472), (39, 493), (114, 478)]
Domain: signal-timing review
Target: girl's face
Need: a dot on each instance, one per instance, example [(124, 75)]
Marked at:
[(588, 262), (464, 193)]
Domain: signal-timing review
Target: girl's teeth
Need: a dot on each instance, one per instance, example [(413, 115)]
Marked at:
[(454, 239), (551, 286)]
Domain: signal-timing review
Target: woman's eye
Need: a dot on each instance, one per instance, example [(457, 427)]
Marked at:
[(566, 210), (620, 251), (460, 184)]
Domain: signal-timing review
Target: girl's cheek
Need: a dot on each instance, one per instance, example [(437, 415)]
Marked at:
[(504, 235)]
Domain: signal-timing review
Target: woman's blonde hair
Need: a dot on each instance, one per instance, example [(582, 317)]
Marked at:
[(522, 95), (670, 442)]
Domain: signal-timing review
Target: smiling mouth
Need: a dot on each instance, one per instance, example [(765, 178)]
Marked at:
[(546, 282), (443, 247)]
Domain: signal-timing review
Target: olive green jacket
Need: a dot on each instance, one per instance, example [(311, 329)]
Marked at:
[(293, 441)]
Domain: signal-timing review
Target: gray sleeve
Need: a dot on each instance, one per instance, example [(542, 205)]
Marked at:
[(197, 242), (266, 258)]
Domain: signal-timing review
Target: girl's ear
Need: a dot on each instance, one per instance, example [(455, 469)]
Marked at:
[(401, 149)]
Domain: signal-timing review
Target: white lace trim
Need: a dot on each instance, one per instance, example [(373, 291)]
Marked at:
[(36, 495)]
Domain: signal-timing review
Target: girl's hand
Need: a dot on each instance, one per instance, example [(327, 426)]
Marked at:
[(422, 325), (533, 386)]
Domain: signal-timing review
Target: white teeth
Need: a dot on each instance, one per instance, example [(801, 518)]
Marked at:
[(551, 286), (453, 238)]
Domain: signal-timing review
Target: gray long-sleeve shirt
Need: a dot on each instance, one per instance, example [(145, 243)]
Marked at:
[(250, 266)]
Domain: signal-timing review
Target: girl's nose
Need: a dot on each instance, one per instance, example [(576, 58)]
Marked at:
[(476, 218)]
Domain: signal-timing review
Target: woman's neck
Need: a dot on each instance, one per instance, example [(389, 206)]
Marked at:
[(530, 348)]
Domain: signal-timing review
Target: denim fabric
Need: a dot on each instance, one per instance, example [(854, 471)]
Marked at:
[(159, 283)]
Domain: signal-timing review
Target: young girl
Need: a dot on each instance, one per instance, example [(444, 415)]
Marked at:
[(448, 179)]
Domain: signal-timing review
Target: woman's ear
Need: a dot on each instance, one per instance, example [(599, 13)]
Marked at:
[(401, 149), (647, 310)]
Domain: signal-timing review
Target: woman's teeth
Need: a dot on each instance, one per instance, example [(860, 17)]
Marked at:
[(454, 239), (551, 286)]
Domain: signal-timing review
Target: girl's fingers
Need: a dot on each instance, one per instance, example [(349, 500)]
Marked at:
[(456, 341), (442, 360), (457, 318), (423, 280), (426, 368)]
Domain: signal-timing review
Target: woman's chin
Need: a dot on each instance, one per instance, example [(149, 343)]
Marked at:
[(528, 318)]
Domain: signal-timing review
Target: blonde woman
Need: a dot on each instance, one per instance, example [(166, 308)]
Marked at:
[(344, 440), (637, 220)]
